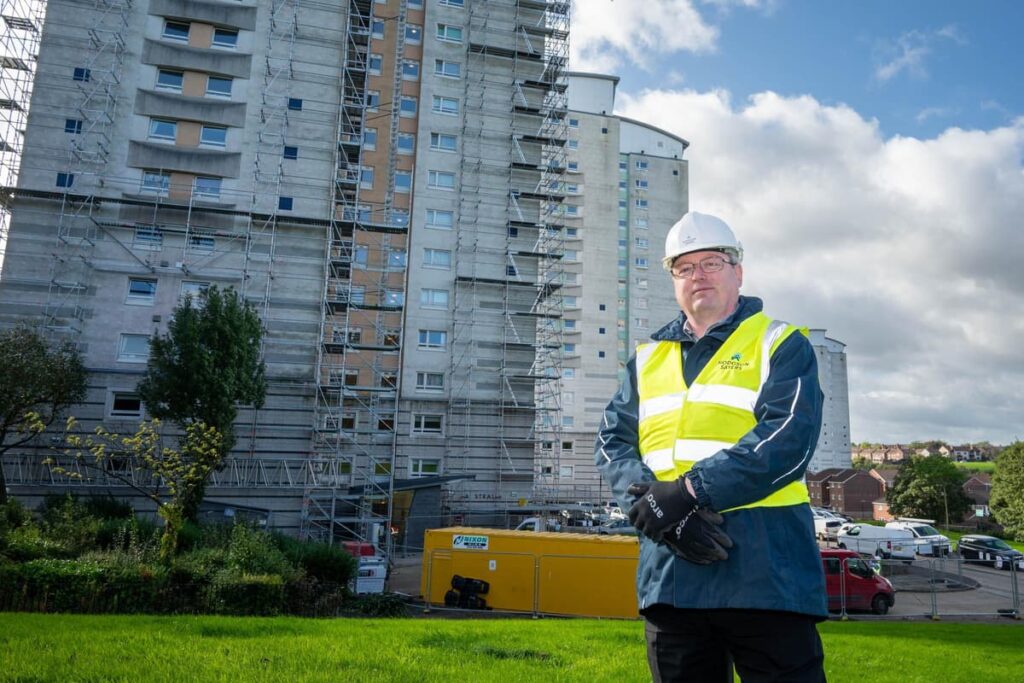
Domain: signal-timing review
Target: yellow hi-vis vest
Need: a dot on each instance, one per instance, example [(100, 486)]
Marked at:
[(680, 425)]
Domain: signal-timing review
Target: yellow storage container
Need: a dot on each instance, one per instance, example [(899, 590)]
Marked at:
[(539, 572)]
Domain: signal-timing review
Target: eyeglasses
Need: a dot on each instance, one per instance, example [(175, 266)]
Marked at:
[(711, 264)]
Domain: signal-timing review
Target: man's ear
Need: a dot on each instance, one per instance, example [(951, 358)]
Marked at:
[(739, 273)]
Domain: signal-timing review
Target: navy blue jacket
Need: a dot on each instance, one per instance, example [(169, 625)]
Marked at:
[(775, 563)]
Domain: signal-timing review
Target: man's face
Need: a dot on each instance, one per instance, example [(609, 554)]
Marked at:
[(707, 297)]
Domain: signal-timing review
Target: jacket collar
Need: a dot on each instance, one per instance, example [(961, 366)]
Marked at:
[(674, 331)]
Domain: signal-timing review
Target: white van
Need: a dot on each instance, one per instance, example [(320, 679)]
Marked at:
[(927, 539), (877, 541)]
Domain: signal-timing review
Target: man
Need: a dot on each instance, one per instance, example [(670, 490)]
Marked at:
[(706, 443)]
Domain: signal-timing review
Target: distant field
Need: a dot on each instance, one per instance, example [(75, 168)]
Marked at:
[(35, 647), (989, 467)]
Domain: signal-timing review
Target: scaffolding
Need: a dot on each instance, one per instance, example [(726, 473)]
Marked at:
[(358, 363), (506, 356), (19, 54)]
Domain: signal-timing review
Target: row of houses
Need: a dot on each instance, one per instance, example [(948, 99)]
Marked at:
[(883, 453), (861, 493)]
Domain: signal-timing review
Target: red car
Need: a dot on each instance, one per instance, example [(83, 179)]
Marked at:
[(846, 572)]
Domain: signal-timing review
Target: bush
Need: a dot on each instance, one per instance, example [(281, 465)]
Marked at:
[(108, 507), (77, 586), (253, 552), (324, 562), (376, 605), (252, 594), (67, 522), (309, 597), (12, 515), (28, 543)]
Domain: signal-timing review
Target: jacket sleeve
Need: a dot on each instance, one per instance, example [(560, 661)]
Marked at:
[(776, 451), (616, 452)]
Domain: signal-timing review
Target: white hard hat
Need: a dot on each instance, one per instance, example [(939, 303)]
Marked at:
[(700, 232)]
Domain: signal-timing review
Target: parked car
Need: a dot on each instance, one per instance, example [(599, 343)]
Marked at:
[(879, 542), (826, 525), (846, 574), (927, 539), (989, 550), (619, 525)]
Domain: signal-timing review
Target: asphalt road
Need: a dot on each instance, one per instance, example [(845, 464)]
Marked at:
[(993, 595)]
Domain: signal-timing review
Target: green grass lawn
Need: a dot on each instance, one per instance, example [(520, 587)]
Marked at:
[(982, 466), (39, 647)]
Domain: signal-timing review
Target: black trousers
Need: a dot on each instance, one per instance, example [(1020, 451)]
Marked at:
[(698, 645)]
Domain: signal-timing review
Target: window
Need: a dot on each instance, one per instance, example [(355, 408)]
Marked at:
[(641, 223), (447, 68), (125, 404), (201, 240), (403, 181), (406, 143), (366, 177), (370, 138), (73, 126), (569, 348), (400, 217), (441, 180), (356, 295), (415, 4), (567, 421), (427, 424), (569, 324), (570, 302), (600, 330), (448, 33), (433, 339), (573, 166), (133, 348), (176, 30), (193, 291), (413, 34), (155, 183), (453, 3), (437, 258), (440, 219), (141, 291), (396, 259), (225, 38), (445, 105), (569, 373), (375, 64), (407, 106), (20, 23), (641, 184), (65, 179), (574, 123), (291, 152), (217, 86), (640, 203), (169, 80), (573, 144), (443, 142), (394, 297), (641, 165), (377, 28), (295, 103), (285, 203), (148, 237), (206, 187), (640, 261), (640, 322), (424, 467), (354, 336), (641, 283), (372, 100), (600, 354), (640, 242), (642, 303), (434, 298), (410, 70), (572, 210), (360, 255), (162, 129), (213, 136)]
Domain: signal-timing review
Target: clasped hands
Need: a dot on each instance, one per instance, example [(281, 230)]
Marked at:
[(667, 513)]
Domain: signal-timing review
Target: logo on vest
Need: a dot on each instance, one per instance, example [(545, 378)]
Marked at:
[(734, 362)]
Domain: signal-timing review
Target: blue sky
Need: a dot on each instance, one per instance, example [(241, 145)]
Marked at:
[(869, 155), (952, 63)]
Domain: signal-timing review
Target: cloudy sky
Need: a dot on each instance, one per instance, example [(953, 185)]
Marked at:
[(869, 155)]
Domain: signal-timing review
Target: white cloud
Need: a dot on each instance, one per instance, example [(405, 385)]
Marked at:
[(905, 249), (910, 51), (607, 32), (933, 112)]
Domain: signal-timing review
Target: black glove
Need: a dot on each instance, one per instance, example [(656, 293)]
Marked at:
[(662, 505), (699, 538)]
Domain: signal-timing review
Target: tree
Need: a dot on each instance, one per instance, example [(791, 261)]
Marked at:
[(861, 463), (38, 382), (177, 474), (930, 487), (1007, 499), (204, 367)]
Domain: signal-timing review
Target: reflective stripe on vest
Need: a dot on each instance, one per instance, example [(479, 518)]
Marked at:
[(680, 425)]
